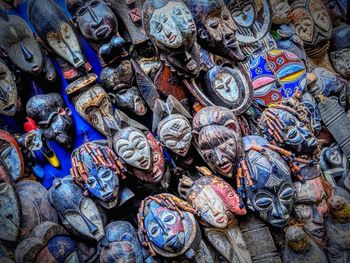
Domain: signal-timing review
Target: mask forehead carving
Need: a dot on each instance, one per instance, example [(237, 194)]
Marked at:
[(79, 213), (93, 105), (132, 146), (53, 116), (8, 91), (274, 198), (54, 28), (36, 209), (95, 19), (296, 134), (9, 206), (229, 87), (311, 207), (216, 28), (17, 41), (99, 173), (11, 155), (217, 133)]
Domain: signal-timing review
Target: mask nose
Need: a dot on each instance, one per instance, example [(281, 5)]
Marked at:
[(316, 216), (28, 56), (279, 211), (94, 17)]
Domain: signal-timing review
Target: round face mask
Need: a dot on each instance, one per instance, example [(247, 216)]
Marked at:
[(175, 132), (303, 23), (210, 206), (132, 146), (95, 19), (280, 11), (8, 92), (244, 16), (164, 227)]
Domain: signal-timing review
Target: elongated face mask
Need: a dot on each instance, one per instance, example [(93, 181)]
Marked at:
[(8, 91)]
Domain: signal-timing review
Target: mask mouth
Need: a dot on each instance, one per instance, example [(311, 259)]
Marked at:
[(232, 43), (108, 196), (35, 69), (319, 232), (102, 32), (172, 38), (10, 108)]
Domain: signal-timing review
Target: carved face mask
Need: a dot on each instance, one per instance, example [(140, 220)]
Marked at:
[(77, 212), (93, 105), (274, 198), (52, 115), (49, 241), (100, 177), (9, 206), (311, 21), (296, 135), (53, 27), (216, 29), (17, 41), (118, 83), (132, 146), (245, 14), (8, 91), (229, 87), (175, 132), (337, 9), (11, 155), (340, 50), (217, 134), (280, 11), (95, 19), (311, 206)]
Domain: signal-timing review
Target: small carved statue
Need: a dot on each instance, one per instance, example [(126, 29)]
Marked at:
[(124, 234), (217, 135), (19, 45), (98, 170), (216, 30), (268, 187), (170, 26), (313, 25), (338, 228), (8, 91), (311, 207), (50, 242), (167, 227), (55, 30), (340, 50), (300, 248), (288, 128), (217, 202), (10, 209), (77, 212), (335, 166), (53, 116), (11, 155), (35, 207), (252, 26), (280, 12)]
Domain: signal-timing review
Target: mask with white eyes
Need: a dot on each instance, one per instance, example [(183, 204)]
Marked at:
[(274, 196)]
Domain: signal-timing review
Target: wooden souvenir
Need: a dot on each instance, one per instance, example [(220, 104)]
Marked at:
[(170, 26), (280, 12), (311, 207), (53, 116), (275, 75), (252, 26), (48, 241), (268, 187), (338, 11), (285, 127), (130, 13), (11, 155), (217, 202), (259, 241), (98, 170), (57, 34), (8, 91), (10, 208), (310, 104), (335, 166), (216, 30), (300, 248), (217, 136), (77, 212), (35, 206), (167, 227), (340, 50), (338, 227)]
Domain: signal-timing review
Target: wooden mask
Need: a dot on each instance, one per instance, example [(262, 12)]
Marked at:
[(36, 208), (8, 91), (340, 50), (217, 135)]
